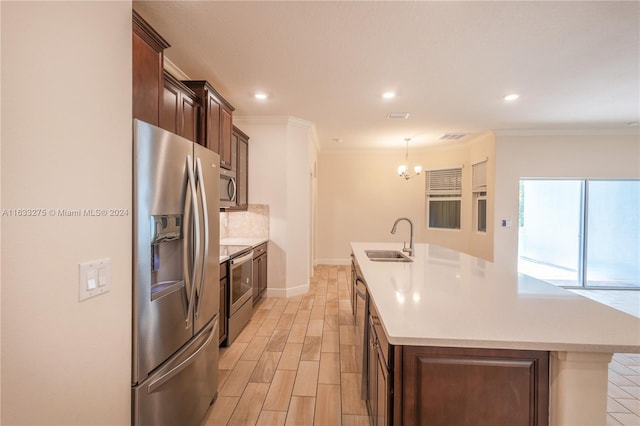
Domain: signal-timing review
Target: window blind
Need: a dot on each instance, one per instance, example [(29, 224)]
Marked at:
[(479, 177), (445, 181)]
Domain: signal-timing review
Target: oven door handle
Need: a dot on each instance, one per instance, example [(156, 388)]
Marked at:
[(242, 259)]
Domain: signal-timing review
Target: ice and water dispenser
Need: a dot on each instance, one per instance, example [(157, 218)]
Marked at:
[(166, 254)]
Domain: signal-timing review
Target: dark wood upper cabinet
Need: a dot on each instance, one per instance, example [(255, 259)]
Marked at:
[(147, 61), (215, 120), (180, 109), (240, 164), (225, 137)]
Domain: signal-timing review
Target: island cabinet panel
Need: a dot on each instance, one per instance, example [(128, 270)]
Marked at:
[(379, 383), (147, 58), (446, 386)]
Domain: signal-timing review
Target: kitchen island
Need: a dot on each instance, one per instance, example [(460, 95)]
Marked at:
[(448, 301)]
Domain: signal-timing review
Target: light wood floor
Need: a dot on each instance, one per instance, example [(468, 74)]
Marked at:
[(296, 362)]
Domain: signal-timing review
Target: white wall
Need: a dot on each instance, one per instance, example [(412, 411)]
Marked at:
[(360, 195), (66, 144), (569, 154), (281, 156)]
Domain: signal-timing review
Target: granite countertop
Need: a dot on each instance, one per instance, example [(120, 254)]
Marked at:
[(241, 241), (448, 298)]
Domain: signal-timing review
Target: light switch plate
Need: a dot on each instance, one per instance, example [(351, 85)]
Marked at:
[(95, 278)]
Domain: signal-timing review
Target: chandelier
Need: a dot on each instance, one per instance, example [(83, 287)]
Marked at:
[(403, 170)]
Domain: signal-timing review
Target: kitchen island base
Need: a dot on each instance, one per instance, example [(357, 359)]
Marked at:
[(445, 324)]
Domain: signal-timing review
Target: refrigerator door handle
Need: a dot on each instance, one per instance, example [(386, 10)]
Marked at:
[(153, 386), (190, 286), (205, 220)]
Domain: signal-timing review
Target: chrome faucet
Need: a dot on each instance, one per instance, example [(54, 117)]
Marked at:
[(404, 244)]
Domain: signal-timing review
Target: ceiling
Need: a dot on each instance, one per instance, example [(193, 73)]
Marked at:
[(576, 65)]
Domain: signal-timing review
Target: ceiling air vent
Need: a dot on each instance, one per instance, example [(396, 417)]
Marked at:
[(398, 115), (452, 136)]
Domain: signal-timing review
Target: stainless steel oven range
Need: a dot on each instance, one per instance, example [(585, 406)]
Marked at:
[(240, 291)]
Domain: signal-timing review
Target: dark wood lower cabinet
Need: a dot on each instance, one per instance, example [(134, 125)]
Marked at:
[(458, 386), (223, 303), (259, 272), (379, 383), (379, 398)]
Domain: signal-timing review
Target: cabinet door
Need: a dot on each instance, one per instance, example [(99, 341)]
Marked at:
[(147, 58), (190, 110), (223, 310), (445, 386), (256, 279), (179, 111), (260, 276), (383, 392), (225, 139), (170, 116), (242, 173), (372, 377), (263, 274), (212, 125)]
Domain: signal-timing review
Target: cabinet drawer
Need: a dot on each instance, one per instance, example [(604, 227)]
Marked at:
[(261, 249)]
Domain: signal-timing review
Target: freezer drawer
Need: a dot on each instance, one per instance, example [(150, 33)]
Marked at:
[(181, 390)]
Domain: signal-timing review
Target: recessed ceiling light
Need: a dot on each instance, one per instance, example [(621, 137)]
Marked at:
[(337, 140), (388, 95), (261, 95), (511, 97)]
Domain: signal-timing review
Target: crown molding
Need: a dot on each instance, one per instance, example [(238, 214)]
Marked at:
[(618, 131)]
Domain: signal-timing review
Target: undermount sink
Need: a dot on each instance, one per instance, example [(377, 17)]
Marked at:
[(387, 256)]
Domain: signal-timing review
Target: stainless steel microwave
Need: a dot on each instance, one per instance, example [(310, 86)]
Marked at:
[(228, 188)]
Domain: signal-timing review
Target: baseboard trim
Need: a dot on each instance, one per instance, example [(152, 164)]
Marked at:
[(287, 292), (332, 262)]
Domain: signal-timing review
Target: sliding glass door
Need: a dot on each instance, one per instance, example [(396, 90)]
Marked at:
[(613, 244), (580, 233)]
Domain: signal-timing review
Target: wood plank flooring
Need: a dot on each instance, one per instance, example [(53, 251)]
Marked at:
[(297, 362)]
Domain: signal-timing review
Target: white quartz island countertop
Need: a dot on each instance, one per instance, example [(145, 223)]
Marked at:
[(447, 298)]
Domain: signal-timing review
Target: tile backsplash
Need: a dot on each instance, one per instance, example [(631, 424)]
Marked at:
[(254, 223)]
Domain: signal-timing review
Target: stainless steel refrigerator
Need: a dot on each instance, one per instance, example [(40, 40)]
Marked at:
[(176, 293)]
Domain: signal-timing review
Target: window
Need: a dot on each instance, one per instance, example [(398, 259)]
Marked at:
[(580, 233), (479, 189), (444, 197)]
